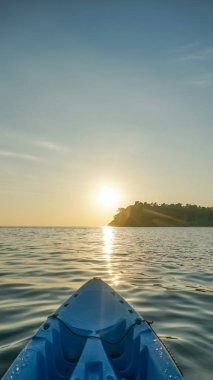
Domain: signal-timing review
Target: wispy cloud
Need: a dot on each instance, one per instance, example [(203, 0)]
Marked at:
[(50, 145), (188, 47), (194, 51), (199, 55), (204, 82), (22, 156)]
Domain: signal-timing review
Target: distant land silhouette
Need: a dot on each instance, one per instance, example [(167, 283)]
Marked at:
[(143, 214)]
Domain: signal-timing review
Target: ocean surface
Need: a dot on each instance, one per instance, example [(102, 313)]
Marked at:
[(165, 273)]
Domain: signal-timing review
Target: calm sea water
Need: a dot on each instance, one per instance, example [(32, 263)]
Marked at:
[(165, 273)]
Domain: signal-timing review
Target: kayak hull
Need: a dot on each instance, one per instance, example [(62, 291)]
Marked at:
[(94, 335)]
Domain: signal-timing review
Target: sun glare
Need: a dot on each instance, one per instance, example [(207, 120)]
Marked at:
[(108, 196)]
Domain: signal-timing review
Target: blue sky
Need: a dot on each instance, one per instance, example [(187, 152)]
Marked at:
[(96, 93)]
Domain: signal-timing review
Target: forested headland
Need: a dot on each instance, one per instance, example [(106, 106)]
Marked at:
[(143, 214)]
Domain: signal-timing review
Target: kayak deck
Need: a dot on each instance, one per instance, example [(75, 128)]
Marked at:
[(94, 335)]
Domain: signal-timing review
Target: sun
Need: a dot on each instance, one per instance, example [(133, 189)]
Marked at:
[(108, 196)]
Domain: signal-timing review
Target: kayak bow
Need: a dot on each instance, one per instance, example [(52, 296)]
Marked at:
[(94, 335)]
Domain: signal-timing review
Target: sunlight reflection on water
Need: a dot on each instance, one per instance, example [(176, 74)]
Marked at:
[(108, 236)]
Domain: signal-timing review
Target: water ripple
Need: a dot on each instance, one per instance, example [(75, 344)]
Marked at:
[(166, 273)]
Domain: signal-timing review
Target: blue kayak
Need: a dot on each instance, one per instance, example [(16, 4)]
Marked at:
[(94, 335)]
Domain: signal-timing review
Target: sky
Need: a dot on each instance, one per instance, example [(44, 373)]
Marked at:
[(100, 94)]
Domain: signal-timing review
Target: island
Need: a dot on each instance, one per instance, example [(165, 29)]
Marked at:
[(143, 214)]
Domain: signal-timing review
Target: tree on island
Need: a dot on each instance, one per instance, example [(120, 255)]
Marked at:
[(143, 214)]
